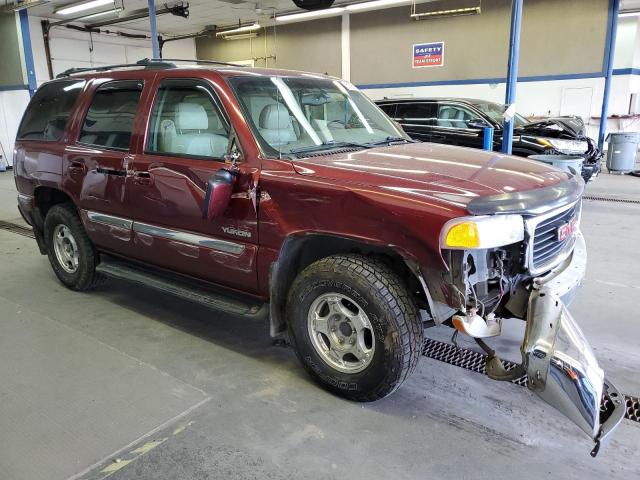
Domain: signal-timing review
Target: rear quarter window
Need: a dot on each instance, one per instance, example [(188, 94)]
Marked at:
[(48, 111)]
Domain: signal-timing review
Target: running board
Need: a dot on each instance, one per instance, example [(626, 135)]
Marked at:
[(178, 287)]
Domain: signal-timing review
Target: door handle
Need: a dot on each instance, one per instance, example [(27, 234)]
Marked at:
[(76, 167), (142, 178)]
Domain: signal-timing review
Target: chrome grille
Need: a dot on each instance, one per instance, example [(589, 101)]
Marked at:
[(545, 249)]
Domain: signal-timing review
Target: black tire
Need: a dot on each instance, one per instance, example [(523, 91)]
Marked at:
[(85, 276), (391, 311)]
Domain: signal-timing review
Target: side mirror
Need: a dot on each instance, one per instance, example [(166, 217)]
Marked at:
[(477, 123), (218, 195)]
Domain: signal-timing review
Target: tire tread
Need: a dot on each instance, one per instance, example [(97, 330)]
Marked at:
[(392, 292)]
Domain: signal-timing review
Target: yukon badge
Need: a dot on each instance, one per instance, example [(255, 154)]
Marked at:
[(236, 232)]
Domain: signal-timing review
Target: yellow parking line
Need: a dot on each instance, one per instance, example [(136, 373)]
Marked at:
[(147, 447), (182, 428), (115, 466), (138, 452)]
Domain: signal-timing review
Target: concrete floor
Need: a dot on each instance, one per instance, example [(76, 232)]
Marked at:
[(126, 383)]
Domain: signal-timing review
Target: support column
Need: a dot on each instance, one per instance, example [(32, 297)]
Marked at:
[(609, 52), (345, 43), (512, 71), (28, 52), (153, 27)]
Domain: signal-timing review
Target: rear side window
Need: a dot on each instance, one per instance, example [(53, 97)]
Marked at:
[(388, 108), (419, 113), (109, 120), (48, 112)]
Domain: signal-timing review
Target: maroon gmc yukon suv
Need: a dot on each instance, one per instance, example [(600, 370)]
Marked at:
[(292, 196)]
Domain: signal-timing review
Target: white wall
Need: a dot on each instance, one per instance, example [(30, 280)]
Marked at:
[(12, 104), (627, 43), (183, 49), (70, 48)]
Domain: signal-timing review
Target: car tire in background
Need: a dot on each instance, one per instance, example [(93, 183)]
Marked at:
[(354, 326), (71, 253)]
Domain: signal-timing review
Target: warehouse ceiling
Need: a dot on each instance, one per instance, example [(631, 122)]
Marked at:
[(201, 13), (209, 12)]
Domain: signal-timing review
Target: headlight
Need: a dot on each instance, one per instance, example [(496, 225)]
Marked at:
[(482, 232), (564, 146)]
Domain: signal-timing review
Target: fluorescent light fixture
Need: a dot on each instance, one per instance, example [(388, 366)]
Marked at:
[(240, 36), (447, 13), (80, 7), (100, 14), (313, 14), (375, 4), (629, 13), (248, 28)]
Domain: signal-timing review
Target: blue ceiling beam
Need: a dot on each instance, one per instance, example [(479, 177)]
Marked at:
[(609, 53), (28, 52), (153, 27)]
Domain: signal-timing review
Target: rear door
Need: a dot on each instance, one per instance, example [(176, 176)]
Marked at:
[(417, 119), (188, 137), (95, 164), (454, 126)]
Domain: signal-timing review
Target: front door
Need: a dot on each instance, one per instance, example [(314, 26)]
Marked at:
[(189, 135), (454, 126)]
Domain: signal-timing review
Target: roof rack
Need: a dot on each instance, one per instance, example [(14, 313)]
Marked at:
[(147, 63), (204, 62)]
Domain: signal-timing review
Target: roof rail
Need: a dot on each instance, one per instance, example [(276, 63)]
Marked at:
[(204, 62), (147, 63)]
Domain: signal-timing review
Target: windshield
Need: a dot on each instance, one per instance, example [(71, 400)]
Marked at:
[(495, 111), (292, 116)]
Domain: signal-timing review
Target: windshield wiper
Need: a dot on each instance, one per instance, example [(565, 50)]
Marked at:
[(390, 140), (327, 146)]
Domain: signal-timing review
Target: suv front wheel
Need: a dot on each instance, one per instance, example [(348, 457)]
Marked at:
[(354, 326), (69, 249)]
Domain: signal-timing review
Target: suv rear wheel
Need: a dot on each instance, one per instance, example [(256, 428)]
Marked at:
[(354, 326), (69, 249)]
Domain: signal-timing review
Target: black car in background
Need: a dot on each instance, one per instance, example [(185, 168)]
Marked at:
[(461, 121)]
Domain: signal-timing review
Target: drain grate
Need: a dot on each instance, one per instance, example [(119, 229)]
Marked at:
[(14, 228), (464, 358), (475, 361), (633, 407), (611, 199)]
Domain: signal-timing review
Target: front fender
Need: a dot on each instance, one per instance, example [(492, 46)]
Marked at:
[(300, 250)]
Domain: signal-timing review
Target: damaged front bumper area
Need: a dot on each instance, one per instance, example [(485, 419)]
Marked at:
[(557, 359)]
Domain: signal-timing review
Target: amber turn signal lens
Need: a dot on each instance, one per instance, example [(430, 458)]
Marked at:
[(463, 235)]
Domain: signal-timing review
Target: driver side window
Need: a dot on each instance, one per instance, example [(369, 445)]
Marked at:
[(454, 116), (187, 121)]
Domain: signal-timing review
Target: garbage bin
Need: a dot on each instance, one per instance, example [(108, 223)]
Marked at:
[(563, 162), (621, 153)]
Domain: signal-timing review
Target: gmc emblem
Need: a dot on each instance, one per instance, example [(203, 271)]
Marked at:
[(567, 230)]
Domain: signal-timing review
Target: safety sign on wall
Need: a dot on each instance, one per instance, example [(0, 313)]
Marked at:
[(428, 54)]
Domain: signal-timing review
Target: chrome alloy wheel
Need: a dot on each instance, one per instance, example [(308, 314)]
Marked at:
[(65, 248), (341, 332)]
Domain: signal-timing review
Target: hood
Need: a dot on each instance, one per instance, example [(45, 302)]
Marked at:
[(454, 175), (561, 127)]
